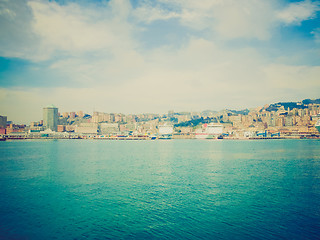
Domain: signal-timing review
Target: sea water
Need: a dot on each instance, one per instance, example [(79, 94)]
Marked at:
[(172, 189)]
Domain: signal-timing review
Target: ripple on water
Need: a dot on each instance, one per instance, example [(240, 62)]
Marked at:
[(164, 190)]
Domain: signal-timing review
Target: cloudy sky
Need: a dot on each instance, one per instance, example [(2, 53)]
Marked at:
[(155, 55)]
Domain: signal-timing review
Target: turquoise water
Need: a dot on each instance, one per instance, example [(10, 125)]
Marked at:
[(178, 189)]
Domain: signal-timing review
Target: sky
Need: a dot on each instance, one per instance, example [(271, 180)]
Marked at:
[(151, 56)]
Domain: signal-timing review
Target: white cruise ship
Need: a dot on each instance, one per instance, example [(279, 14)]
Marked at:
[(209, 131), (318, 125), (165, 131)]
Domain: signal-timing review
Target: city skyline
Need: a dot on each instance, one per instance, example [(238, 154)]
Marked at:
[(271, 107), (283, 119), (155, 56)]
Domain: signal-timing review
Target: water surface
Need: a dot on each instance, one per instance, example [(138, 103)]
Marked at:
[(190, 189)]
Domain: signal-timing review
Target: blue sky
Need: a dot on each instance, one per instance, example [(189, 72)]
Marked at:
[(154, 56)]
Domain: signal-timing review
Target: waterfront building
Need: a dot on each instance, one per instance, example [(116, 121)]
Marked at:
[(118, 118), (3, 121), (36, 129), (131, 126), (122, 128), (186, 130), (70, 128), (109, 128), (61, 128), (48, 133), (50, 117), (12, 128), (288, 119), (95, 119), (87, 128)]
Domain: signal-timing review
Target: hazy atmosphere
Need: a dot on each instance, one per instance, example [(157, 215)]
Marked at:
[(155, 56)]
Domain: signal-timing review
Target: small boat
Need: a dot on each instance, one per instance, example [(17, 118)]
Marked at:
[(153, 137)]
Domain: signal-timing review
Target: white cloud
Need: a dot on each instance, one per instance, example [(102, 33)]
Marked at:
[(8, 13), (43, 30), (174, 81), (230, 84), (316, 34), (228, 18), (197, 77), (147, 13), (39, 30), (295, 13), (97, 48), (16, 39), (66, 28), (76, 30), (231, 19), (244, 19)]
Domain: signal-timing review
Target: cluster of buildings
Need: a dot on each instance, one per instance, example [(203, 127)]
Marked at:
[(287, 122), (298, 120)]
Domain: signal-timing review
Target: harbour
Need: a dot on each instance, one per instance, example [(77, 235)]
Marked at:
[(170, 120)]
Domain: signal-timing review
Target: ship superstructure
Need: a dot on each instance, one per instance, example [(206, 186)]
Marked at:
[(318, 125), (165, 131), (209, 131)]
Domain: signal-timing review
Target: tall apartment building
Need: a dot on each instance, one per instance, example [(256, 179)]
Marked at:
[(50, 117), (3, 121)]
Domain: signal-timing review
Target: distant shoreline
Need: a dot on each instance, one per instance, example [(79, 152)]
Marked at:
[(157, 139)]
